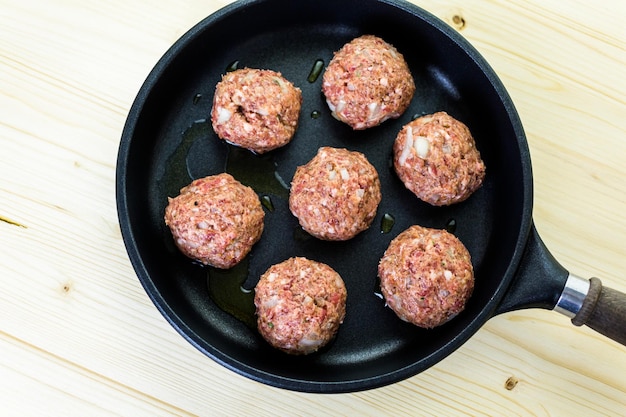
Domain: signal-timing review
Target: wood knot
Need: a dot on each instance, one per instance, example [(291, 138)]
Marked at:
[(67, 287), (12, 222), (458, 21), (511, 383)]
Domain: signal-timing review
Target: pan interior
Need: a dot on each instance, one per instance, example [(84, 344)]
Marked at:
[(167, 142)]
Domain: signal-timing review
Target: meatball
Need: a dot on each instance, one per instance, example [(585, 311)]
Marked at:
[(300, 305), (256, 109), (426, 276), (335, 195), (436, 158), (215, 220), (367, 82)]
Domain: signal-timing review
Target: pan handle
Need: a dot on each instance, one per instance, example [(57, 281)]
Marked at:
[(541, 282), (602, 309), (539, 279)]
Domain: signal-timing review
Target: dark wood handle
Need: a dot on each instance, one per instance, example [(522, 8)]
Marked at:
[(604, 310)]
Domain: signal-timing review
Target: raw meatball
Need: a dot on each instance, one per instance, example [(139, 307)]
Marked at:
[(367, 82), (426, 276), (300, 305), (215, 220), (335, 195), (436, 158), (256, 109)]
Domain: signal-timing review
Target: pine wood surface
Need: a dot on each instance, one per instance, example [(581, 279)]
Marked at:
[(78, 334)]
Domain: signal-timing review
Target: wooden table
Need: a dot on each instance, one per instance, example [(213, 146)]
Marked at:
[(78, 334)]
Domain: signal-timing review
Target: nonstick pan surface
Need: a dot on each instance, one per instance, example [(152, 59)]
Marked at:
[(167, 142)]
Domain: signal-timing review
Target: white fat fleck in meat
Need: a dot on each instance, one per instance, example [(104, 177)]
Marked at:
[(340, 106), (311, 342), (374, 110), (263, 112), (271, 302), (344, 174), (422, 146), (238, 97), (408, 144), (223, 115)]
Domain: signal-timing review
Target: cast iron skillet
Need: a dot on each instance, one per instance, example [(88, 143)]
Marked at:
[(167, 142)]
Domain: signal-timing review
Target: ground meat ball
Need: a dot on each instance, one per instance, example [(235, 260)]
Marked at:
[(426, 276), (367, 82), (215, 220), (256, 109), (436, 158), (335, 195), (300, 305)]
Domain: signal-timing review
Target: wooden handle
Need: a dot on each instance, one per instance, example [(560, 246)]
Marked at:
[(604, 310)]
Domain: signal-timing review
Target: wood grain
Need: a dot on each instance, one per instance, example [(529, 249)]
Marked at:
[(79, 336)]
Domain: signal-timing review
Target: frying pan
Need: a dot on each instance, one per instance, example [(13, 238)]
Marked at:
[(167, 142)]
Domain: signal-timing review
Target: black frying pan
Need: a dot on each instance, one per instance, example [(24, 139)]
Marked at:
[(167, 142)]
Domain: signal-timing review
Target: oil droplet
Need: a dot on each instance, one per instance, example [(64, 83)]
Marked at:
[(197, 98), (226, 289), (300, 235), (451, 226), (386, 223), (256, 171), (176, 169), (266, 200), (232, 66), (315, 114), (316, 70)]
